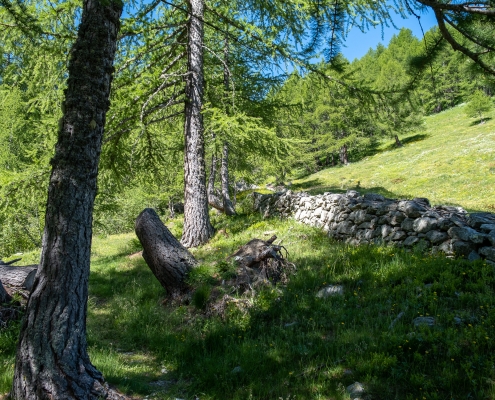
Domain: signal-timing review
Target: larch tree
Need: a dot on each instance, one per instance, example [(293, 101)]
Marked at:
[(52, 360), (197, 226)]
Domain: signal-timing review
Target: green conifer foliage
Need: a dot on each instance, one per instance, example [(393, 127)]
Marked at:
[(479, 104)]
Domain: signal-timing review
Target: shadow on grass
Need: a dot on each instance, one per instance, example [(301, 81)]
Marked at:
[(292, 343), (480, 121), (314, 187)]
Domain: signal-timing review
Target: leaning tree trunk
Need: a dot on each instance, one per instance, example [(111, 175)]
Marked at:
[(197, 227), (52, 360), (167, 258)]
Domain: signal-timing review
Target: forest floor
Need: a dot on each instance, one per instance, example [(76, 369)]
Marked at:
[(450, 161)]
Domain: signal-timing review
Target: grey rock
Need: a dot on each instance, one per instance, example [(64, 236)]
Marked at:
[(373, 197), (352, 194), (421, 321), (407, 224), (461, 248), (396, 218), (444, 224), (237, 370), (385, 231), (422, 201), (475, 220), (355, 390), (332, 290), (412, 209), (436, 237), (487, 227), (383, 220), (398, 235), (424, 224), (467, 234), (410, 241), (488, 252), (358, 216), (458, 321), (473, 256)]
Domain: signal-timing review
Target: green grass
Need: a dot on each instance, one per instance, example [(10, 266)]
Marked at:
[(451, 161), (291, 344)]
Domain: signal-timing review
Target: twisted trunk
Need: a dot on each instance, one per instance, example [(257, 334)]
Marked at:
[(52, 360), (197, 227)]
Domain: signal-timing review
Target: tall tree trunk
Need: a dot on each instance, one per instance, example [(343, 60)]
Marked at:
[(52, 360), (224, 173), (214, 197), (167, 258), (197, 227), (343, 155)]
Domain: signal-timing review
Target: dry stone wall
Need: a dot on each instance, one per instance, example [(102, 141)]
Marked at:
[(372, 218)]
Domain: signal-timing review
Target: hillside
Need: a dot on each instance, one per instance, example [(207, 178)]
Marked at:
[(451, 161)]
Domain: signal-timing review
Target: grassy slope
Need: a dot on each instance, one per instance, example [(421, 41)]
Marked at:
[(451, 161)]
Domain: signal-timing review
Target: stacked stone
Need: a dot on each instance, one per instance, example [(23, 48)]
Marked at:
[(372, 218)]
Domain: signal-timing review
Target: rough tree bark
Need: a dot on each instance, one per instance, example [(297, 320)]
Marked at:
[(167, 258), (344, 158), (18, 277), (52, 360), (197, 227)]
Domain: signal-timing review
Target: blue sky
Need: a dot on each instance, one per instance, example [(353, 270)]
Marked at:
[(358, 43)]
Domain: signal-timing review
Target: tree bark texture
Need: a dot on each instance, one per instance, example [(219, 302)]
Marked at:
[(197, 227), (167, 258), (224, 174), (344, 158), (52, 360), (18, 277), (4, 296)]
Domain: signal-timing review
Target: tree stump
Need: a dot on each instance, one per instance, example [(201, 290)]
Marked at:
[(167, 258), (261, 262)]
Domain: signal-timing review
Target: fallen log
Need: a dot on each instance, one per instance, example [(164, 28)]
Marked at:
[(167, 258), (18, 277), (4, 296)]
